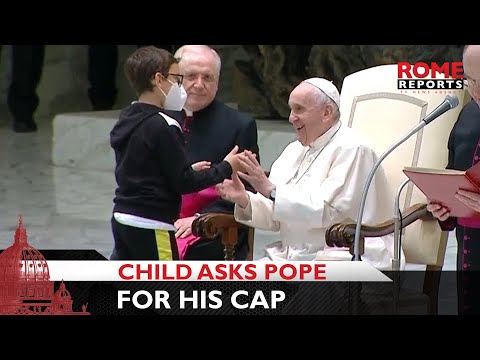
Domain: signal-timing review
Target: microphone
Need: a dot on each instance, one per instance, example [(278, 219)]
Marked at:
[(450, 102)]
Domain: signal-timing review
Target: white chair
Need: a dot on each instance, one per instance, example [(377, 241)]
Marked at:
[(372, 105)]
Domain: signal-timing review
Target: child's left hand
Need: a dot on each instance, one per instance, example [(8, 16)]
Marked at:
[(201, 165)]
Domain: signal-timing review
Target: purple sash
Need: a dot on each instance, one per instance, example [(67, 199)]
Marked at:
[(191, 204)]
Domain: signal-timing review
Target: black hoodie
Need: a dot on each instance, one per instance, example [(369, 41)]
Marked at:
[(152, 171)]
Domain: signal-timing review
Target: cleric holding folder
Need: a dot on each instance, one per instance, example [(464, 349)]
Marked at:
[(152, 170), (464, 152), (316, 182)]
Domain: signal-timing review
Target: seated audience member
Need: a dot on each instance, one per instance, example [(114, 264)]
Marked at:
[(211, 130), (152, 170), (316, 182)]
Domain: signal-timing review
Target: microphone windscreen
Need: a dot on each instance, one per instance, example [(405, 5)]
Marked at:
[(452, 100)]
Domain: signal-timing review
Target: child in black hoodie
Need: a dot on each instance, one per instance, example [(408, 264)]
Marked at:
[(151, 170)]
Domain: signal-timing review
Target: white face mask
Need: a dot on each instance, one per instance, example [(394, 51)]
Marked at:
[(176, 97)]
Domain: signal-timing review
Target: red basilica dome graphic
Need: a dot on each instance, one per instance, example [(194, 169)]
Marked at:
[(25, 286)]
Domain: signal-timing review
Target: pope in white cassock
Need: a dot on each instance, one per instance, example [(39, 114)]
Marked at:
[(316, 182)]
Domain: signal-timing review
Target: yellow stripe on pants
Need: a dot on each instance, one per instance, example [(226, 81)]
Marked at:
[(164, 248)]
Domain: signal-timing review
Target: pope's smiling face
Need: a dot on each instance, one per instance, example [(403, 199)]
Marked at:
[(309, 115)]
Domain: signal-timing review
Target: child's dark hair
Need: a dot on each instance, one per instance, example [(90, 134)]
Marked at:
[(144, 63)]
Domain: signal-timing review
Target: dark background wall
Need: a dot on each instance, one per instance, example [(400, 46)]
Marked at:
[(257, 78)]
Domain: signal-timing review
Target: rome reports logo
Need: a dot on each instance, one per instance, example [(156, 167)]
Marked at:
[(25, 286)]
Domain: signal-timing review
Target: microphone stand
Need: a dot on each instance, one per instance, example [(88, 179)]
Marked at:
[(358, 227), (450, 102), (397, 246), (356, 256)]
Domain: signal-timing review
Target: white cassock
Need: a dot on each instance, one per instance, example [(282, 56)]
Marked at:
[(318, 186)]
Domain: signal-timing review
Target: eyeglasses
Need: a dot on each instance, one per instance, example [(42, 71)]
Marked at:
[(179, 78)]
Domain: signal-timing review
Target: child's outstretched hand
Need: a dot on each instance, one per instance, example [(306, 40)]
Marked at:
[(201, 165)]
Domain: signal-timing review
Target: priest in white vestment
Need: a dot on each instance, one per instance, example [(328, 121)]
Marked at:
[(316, 182)]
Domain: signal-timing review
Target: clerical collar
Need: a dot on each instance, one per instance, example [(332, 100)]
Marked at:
[(323, 140)]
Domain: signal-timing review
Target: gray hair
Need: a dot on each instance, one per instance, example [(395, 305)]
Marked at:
[(322, 99), (192, 48)]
